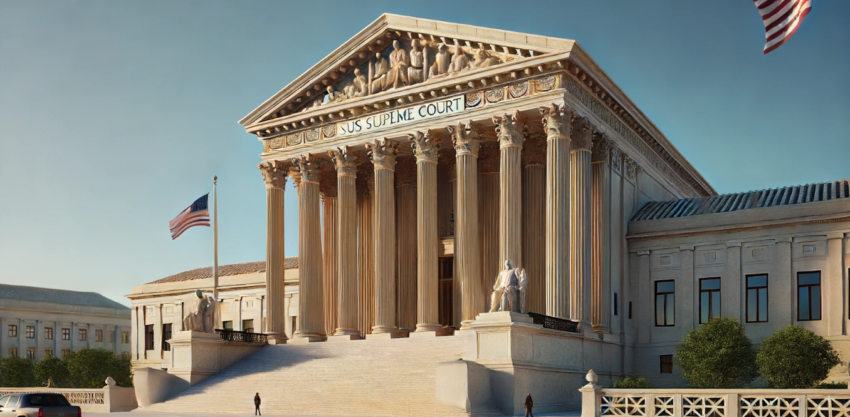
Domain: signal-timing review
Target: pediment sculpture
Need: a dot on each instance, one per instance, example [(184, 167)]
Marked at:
[(509, 290), (202, 316)]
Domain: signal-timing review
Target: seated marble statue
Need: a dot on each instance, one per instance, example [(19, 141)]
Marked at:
[(202, 316), (507, 290)]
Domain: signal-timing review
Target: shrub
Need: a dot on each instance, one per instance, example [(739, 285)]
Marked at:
[(832, 385), (717, 355), (633, 381), (89, 368), (795, 357), (52, 369), (17, 372)]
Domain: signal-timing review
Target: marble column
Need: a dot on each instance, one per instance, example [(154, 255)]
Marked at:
[(425, 148), (600, 251), (488, 216), (510, 131), (534, 221), (274, 175), (365, 248), (345, 162), (383, 154), (466, 141), (330, 236), (311, 322), (406, 286), (557, 123), (580, 223)]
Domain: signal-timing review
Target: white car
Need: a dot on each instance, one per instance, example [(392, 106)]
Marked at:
[(37, 405)]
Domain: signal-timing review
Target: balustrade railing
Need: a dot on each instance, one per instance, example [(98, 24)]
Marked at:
[(74, 396), (237, 336), (554, 323)]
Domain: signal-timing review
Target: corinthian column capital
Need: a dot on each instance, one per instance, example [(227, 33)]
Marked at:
[(557, 121), (345, 161), (600, 147), (307, 167), (274, 174), (425, 145), (510, 129), (582, 134), (466, 138), (383, 152)]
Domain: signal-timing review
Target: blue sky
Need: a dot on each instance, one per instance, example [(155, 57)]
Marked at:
[(114, 116)]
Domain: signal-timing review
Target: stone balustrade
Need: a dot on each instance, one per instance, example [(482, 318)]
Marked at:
[(111, 398)]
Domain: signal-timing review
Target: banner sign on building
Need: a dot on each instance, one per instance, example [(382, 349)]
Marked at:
[(402, 116)]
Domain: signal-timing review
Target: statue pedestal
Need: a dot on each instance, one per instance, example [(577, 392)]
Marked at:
[(197, 355)]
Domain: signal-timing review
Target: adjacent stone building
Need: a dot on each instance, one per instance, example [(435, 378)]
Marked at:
[(39, 322)]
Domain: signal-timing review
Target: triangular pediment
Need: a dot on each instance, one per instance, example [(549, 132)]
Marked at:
[(396, 53)]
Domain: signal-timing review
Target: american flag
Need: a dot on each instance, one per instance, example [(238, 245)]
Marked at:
[(781, 19), (198, 214)]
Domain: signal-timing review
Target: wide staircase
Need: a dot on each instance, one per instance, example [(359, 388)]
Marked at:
[(373, 377)]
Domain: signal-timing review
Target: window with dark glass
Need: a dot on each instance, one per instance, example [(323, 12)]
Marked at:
[(13, 352), (227, 325), (13, 330), (149, 337), (30, 332), (48, 353), (125, 337), (248, 326), (665, 301), (84, 334), (48, 333), (630, 309), (615, 304), (65, 353), (166, 335), (757, 298), (666, 364), (98, 335), (31, 353), (808, 296), (66, 334), (709, 299)]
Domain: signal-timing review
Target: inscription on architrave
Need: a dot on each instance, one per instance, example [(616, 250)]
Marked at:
[(401, 116)]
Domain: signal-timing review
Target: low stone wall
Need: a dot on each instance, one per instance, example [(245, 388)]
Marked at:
[(598, 401), (108, 399)]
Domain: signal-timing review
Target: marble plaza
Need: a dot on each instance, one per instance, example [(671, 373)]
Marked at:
[(425, 155)]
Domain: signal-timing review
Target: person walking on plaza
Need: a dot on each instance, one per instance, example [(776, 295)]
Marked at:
[(257, 405), (528, 404)]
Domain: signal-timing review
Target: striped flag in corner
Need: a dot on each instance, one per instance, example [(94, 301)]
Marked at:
[(781, 19), (198, 214)]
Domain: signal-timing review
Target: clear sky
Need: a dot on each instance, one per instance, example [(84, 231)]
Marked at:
[(115, 115)]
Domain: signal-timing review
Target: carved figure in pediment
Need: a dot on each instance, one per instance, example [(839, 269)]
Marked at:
[(359, 85), (442, 62), (316, 103), (334, 96), (379, 76), (483, 59), (399, 63), (417, 62), (460, 62)]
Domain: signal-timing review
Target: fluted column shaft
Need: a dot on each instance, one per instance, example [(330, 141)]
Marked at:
[(330, 273), (383, 157), (600, 253), (510, 132), (557, 125), (346, 254), (425, 147), (534, 221), (580, 225), (310, 307), (274, 175)]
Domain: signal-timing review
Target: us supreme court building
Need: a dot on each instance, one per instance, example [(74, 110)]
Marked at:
[(424, 154)]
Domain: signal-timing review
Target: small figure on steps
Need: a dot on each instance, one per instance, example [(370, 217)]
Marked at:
[(528, 404), (257, 405)]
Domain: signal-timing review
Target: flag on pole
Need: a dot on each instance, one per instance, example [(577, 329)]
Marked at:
[(198, 214), (781, 19)]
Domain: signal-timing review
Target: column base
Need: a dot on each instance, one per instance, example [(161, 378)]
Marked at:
[(276, 338), (346, 332), (383, 329), (425, 327), (308, 337), (586, 329)]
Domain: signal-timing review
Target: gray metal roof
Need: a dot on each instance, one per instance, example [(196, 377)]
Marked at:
[(784, 196), (49, 295)]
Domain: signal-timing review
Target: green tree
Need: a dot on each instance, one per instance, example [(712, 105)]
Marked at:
[(795, 357), (17, 372), (717, 355), (52, 369), (633, 381), (89, 368)]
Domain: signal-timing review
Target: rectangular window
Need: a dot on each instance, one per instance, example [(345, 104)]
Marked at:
[(13, 352), (30, 332), (125, 337), (98, 335), (31, 353), (666, 364), (630, 310), (227, 325), (757, 298), (615, 304), (48, 353), (166, 335), (808, 296), (709, 299), (66, 334), (149, 337), (248, 326), (66, 353), (48, 333), (83, 334), (665, 301), (13, 330)]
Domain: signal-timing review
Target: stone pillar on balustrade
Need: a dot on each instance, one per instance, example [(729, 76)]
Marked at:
[(600, 251), (383, 155), (330, 234), (557, 125), (580, 223), (466, 139), (510, 131), (311, 323), (425, 149), (345, 162), (274, 176)]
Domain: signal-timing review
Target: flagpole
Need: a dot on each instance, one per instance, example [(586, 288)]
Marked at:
[(215, 238)]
